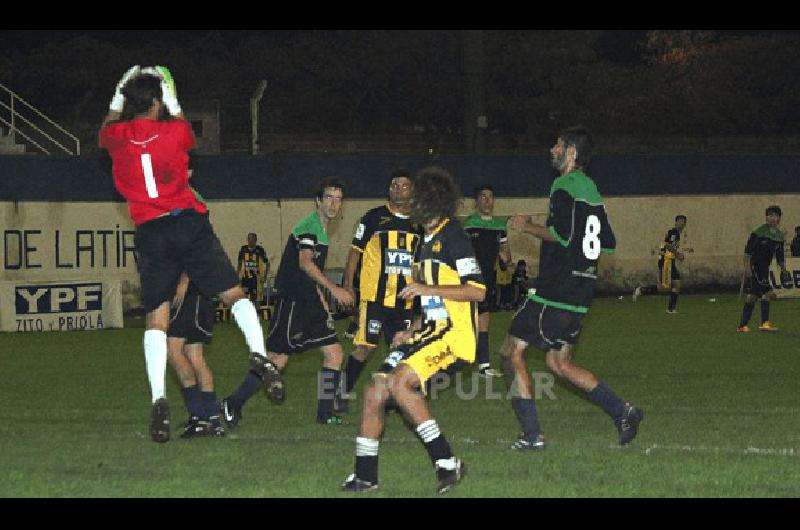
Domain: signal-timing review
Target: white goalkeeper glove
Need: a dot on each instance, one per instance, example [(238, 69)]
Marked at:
[(118, 101), (169, 94)]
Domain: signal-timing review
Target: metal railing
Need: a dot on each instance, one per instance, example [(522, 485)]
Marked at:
[(24, 126)]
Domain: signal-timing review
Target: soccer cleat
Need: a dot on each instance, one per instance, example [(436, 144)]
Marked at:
[(628, 425), (269, 373), (159, 421), (743, 329), (526, 444), (448, 478), (488, 373), (637, 293), (672, 311), (767, 326), (330, 420), (355, 484), (195, 428), (215, 426), (231, 415)]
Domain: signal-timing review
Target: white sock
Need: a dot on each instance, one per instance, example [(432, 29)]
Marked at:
[(366, 447), (428, 431), (155, 356), (247, 319)]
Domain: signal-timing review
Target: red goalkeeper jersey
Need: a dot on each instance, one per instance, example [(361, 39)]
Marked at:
[(151, 166)]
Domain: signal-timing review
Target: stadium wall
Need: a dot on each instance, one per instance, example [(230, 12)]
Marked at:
[(62, 219)]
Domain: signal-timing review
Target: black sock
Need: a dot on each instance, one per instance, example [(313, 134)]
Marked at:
[(251, 385), (482, 354), (525, 409), (747, 312), (351, 373), (608, 401), (210, 405), (435, 442), (764, 311), (367, 459), (328, 383), (191, 396), (673, 301)]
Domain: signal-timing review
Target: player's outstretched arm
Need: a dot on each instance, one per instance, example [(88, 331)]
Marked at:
[(118, 100), (522, 223), (466, 292)]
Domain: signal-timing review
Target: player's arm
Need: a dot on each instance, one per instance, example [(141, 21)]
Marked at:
[(240, 262), (404, 336), (505, 249), (608, 241), (350, 269), (524, 223), (363, 233), (780, 257), (466, 292), (118, 100), (749, 250), (308, 266)]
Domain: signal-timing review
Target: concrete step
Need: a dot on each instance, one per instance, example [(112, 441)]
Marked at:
[(9, 147)]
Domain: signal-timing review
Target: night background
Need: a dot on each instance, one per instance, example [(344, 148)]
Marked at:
[(430, 83)]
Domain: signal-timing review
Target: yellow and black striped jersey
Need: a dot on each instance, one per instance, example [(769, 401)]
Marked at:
[(446, 257), (387, 242), (254, 261)]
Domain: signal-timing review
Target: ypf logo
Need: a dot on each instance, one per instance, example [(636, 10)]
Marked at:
[(67, 298), (398, 262)]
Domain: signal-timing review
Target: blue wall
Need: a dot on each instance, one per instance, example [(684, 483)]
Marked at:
[(53, 178)]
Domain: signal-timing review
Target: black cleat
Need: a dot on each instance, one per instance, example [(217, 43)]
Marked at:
[(196, 428), (525, 443), (215, 426), (269, 373), (628, 425), (448, 478), (159, 421), (355, 484), (231, 415)]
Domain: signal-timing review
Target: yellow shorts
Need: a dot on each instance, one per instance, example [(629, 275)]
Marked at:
[(437, 347)]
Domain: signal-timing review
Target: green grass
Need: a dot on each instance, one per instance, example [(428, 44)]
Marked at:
[(721, 418)]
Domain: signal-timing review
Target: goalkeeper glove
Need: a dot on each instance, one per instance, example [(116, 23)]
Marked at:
[(118, 101)]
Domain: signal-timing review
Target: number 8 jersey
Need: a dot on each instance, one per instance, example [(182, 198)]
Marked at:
[(579, 224), (151, 166)]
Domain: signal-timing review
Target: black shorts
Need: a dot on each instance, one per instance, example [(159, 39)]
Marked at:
[(169, 245), (758, 283), (193, 319), (374, 318), (545, 327), (250, 287), (300, 325)]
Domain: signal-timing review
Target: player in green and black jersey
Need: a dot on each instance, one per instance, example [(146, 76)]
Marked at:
[(384, 243), (669, 278), (490, 240), (302, 320), (765, 243), (576, 234)]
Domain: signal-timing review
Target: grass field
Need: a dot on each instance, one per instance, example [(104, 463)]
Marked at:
[(721, 418)]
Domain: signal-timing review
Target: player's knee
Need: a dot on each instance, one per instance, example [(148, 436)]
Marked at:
[(555, 365), (376, 395), (232, 295)]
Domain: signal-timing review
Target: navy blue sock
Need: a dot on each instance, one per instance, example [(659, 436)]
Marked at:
[(673, 301), (250, 386), (525, 409), (351, 373), (192, 398), (747, 312), (608, 401), (764, 311), (482, 354), (210, 405), (328, 383)]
